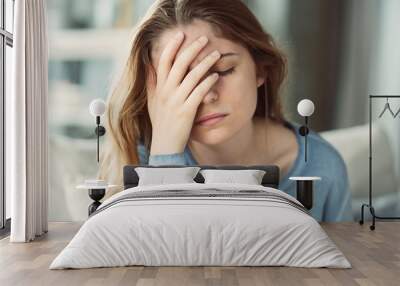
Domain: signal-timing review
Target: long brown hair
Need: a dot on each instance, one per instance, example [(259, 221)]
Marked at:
[(128, 121)]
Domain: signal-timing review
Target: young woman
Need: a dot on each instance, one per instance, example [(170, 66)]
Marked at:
[(201, 86)]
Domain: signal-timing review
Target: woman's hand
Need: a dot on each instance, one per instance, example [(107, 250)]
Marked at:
[(173, 98)]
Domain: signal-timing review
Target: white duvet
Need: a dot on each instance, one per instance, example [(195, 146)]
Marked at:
[(189, 230)]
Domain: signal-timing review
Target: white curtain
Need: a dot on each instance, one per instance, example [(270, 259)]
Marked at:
[(26, 119)]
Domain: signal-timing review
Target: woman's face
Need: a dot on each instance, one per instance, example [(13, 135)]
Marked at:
[(235, 91)]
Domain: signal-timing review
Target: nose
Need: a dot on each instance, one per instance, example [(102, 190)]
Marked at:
[(210, 97)]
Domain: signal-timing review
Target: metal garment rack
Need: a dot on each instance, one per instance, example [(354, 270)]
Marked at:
[(370, 206)]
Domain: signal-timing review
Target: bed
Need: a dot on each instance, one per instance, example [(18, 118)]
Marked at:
[(201, 224)]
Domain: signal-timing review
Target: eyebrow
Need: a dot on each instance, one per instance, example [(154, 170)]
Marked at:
[(228, 54)]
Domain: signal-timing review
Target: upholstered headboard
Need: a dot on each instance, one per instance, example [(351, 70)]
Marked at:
[(270, 179)]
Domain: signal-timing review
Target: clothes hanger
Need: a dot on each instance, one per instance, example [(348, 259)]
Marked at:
[(387, 106), (398, 111)]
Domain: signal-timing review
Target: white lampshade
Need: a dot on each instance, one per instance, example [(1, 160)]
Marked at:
[(305, 107), (97, 107)]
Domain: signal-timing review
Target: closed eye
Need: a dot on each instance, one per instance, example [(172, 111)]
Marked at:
[(220, 73), (226, 72)]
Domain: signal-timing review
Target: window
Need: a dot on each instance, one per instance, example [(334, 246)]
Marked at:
[(84, 41), (6, 44)]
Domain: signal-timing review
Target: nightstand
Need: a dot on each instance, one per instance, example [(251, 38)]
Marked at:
[(96, 190), (304, 190)]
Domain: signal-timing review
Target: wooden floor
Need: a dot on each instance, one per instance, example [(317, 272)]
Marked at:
[(374, 255)]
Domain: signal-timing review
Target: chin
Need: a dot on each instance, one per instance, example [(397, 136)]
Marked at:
[(210, 137)]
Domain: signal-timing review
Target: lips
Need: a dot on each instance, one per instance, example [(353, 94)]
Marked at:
[(210, 116)]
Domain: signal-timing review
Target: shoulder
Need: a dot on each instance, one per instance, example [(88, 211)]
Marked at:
[(325, 152), (323, 145)]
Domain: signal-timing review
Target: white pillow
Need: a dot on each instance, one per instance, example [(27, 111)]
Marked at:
[(170, 175), (249, 177)]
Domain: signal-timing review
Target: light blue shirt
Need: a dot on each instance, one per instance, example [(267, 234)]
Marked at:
[(332, 197)]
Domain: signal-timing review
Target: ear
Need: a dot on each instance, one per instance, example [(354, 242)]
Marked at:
[(261, 74), (260, 81)]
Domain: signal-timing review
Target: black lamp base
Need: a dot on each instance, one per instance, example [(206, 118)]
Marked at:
[(96, 195), (304, 193)]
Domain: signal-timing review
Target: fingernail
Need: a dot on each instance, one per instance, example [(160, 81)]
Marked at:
[(215, 54), (203, 40), (215, 75), (179, 35)]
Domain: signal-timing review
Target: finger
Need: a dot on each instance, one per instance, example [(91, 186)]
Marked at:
[(182, 63), (194, 76), (200, 91), (167, 57)]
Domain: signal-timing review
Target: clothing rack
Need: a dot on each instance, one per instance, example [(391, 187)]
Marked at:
[(370, 206)]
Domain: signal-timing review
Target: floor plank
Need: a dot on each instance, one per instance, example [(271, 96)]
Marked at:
[(374, 255)]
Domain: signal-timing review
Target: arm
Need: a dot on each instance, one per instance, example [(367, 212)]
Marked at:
[(159, 159), (167, 159), (338, 203)]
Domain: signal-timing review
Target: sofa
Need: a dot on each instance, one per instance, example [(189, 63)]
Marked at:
[(353, 144)]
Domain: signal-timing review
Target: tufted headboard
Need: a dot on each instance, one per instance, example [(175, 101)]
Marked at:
[(270, 179)]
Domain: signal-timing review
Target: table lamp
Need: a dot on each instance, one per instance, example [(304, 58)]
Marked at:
[(97, 108), (305, 108), (97, 188), (304, 189)]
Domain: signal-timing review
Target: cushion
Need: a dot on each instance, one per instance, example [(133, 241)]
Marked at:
[(249, 177), (353, 144), (160, 176)]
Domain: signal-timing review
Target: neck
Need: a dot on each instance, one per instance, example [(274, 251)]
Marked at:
[(243, 148)]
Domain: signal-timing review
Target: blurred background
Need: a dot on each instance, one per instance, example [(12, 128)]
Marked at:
[(339, 52)]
